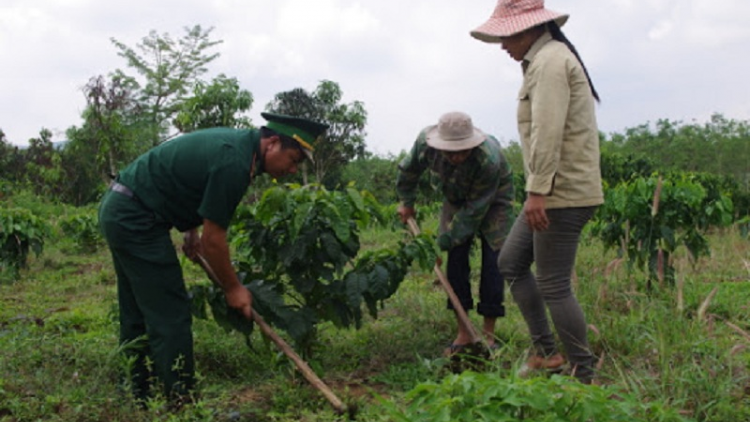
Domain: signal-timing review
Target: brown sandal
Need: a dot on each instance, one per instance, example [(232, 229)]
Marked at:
[(454, 349)]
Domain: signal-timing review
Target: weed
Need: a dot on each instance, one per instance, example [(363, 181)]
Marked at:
[(662, 361)]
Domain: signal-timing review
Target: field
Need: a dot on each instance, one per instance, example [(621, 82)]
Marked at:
[(680, 351)]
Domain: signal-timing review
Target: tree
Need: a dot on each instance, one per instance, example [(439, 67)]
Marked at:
[(617, 167), (217, 104), (514, 156), (374, 174), (731, 140), (719, 146), (170, 68), (82, 182), (42, 166), (12, 161), (113, 133), (344, 140), (111, 115)]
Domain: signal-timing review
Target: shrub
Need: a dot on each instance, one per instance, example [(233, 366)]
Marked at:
[(20, 232), (83, 228), (297, 251), (647, 219), (475, 397)]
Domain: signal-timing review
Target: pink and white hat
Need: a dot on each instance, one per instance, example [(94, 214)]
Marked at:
[(513, 16)]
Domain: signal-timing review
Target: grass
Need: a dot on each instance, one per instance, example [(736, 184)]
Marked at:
[(60, 360)]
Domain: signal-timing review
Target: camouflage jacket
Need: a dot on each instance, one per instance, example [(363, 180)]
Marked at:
[(477, 192)]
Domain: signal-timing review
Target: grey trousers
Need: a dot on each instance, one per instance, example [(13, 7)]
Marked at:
[(554, 252)]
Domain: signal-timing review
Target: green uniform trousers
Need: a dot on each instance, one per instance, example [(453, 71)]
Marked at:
[(155, 317)]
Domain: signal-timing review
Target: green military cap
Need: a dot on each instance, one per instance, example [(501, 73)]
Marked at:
[(302, 130)]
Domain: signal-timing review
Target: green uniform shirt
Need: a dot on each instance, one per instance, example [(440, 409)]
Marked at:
[(196, 176), (479, 190)]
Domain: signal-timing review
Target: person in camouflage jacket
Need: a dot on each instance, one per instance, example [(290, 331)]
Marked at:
[(477, 187)]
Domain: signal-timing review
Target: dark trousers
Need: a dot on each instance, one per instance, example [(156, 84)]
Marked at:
[(155, 317), (491, 288)]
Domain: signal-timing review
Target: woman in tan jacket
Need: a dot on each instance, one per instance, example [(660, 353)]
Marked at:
[(560, 142)]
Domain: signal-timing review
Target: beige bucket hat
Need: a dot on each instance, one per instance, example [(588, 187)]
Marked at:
[(454, 132), (513, 16)]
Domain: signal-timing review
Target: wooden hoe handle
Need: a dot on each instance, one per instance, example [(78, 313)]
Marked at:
[(463, 318), (284, 346)]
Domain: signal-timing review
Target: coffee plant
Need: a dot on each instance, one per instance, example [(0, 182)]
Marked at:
[(647, 219), (20, 233), (82, 227), (298, 252)]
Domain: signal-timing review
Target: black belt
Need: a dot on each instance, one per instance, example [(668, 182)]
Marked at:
[(122, 189)]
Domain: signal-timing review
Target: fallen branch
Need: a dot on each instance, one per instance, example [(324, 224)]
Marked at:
[(704, 305), (680, 295), (739, 330), (601, 361)]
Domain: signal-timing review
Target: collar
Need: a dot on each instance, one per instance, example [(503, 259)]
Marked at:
[(538, 44)]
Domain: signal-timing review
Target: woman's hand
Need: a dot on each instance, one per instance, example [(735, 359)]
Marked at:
[(535, 213)]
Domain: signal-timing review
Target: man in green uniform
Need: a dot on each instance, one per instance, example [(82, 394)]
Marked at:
[(477, 185), (196, 179)]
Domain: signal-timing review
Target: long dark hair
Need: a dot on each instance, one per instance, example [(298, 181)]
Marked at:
[(557, 34)]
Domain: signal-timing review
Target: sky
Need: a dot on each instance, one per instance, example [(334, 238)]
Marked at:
[(407, 61)]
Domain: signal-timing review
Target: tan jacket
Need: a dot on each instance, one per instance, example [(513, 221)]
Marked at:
[(557, 125)]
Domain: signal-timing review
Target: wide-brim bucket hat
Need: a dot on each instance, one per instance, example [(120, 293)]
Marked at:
[(454, 132), (514, 16)]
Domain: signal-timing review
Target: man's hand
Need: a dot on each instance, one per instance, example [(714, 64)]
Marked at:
[(445, 242), (191, 245), (405, 213), (216, 251), (239, 297), (535, 213)]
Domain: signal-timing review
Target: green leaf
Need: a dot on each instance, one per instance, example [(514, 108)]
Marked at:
[(356, 198), (355, 285)]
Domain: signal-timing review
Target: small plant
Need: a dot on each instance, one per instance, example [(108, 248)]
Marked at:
[(20, 232), (484, 397), (83, 228), (298, 253)]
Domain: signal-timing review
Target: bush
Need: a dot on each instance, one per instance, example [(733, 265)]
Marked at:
[(298, 252), (20, 232), (83, 228), (647, 219), (475, 397)]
